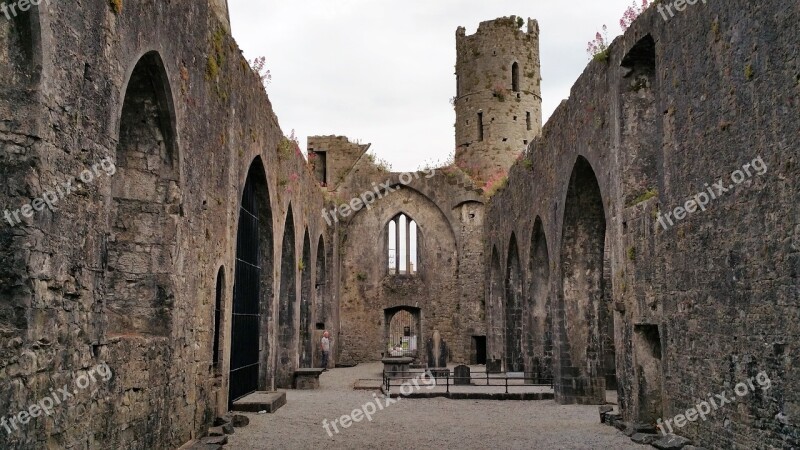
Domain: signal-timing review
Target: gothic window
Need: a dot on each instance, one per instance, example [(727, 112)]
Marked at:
[(403, 243)]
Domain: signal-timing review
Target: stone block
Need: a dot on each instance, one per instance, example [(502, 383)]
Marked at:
[(215, 440), (645, 438), (604, 409), (671, 442), (240, 421)]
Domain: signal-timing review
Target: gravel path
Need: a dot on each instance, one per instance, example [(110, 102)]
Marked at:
[(422, 424)]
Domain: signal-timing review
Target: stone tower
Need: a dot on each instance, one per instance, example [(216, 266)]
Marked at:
[(498, 101)]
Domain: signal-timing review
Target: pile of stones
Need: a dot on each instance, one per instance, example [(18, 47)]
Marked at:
[(645, 433), (218, 434)]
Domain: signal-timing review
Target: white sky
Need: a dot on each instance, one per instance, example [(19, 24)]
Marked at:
[(383, 72)]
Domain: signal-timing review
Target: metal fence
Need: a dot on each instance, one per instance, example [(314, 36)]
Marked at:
[(476, 379)]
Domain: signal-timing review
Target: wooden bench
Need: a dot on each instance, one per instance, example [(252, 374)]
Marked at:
[(307, 379)]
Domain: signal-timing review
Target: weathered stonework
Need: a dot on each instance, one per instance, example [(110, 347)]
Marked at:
[(126, 269), (695, 308), (499, 98), (207, 264)]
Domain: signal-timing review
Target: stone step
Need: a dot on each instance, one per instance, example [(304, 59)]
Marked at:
[(260, 401)]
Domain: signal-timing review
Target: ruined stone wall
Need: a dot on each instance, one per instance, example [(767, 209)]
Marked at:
[(710, 300), (340, 157), (183, 116), (498, 101), (448, 288)]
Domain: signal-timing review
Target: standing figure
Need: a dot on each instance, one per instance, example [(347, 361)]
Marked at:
[(326, 349)]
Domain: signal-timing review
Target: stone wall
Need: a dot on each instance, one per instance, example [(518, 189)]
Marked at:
[(696, 306), (333, 157), (124, 269)]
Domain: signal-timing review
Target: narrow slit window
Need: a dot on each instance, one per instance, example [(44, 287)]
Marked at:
[(515, 77), (528, 120), (480, 127)]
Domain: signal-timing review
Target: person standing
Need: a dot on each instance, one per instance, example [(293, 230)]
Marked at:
[(326, 349)]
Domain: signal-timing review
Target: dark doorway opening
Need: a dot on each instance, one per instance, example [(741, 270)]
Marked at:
[(245, 364), (479, 344)]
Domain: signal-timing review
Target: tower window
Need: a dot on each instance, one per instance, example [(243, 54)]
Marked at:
[(515, 77), (480, 127), (528, 120)]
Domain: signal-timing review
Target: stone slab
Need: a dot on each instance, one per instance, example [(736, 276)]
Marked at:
[(260, 401)]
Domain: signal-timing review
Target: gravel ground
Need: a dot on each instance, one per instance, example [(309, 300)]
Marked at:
[(421, 424)]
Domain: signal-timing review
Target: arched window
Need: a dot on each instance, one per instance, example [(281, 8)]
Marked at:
[(403, 243), (217, 355), (515, 77)]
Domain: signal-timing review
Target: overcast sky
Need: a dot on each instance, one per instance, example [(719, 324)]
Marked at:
[(383, 71)]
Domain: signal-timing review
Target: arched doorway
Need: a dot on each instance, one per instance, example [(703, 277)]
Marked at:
[(252, 290), (403, 331), (306, 347)]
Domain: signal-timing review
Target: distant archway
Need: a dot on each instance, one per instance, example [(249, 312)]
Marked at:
[(306, 347), (514, 358), (403, 335), (284, 370), (539, 320), (495, 309)]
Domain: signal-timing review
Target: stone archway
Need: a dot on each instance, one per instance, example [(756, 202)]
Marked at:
[(583, 295), (539, 320), (252, 290), (514, 355)]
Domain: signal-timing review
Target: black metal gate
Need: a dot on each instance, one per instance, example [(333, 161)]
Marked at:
[(246, 293)]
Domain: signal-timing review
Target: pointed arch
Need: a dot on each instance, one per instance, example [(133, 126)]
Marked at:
[(582, 287), (306, 347), (513, 310), (146, 198), (404, 241), (253, 286), (539, 320), (216, 353), (321, 285), (287, 342), (494, 311)]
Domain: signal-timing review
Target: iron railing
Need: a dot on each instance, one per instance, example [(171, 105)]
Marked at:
[(400, 377)]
